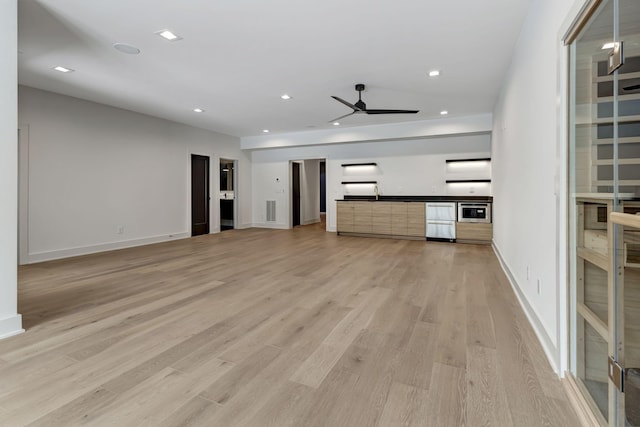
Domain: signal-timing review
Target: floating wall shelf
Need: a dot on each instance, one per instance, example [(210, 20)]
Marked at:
[(359, 182), (487, 159), (344, 165), (467, 181)]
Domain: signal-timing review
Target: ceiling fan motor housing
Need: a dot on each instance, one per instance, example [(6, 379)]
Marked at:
[(360, 104)]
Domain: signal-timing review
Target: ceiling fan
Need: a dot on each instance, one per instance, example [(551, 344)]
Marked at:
[(361, 108)]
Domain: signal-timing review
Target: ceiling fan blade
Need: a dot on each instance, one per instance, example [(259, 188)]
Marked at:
[(378, 111), (632, 87), (342, 117), (348, 104)]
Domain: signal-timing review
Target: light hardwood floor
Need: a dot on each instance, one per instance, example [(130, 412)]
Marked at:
[(276, 328)]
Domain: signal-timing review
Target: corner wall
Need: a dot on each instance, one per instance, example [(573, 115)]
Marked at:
[(529, 171), (10, 320), (95, 168)]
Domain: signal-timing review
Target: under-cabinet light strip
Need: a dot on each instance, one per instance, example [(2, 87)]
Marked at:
[(487, 159)]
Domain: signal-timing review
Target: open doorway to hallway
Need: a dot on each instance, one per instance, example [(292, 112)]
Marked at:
[(227, 194), (308, 192)]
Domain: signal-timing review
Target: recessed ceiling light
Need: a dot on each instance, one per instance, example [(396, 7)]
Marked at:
[(336, 123), (198, 110), (126, 48), (444, 112), (608, 45), (265, 130), (434, 73), (285, 96), (168, 35), (63, 69)]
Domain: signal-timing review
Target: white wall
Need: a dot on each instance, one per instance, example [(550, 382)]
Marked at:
[(529, 170), (10, 320), (409, 167), (94, 168)]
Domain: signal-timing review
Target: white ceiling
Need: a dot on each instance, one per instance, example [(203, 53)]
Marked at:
[(238, 56)]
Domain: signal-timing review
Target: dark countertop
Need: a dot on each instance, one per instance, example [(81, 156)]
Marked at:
[(484, 199)]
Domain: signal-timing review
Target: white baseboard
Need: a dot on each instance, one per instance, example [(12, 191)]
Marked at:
[(311, 221), (103, 247), (11, 326), (548, 344), (277, 226)]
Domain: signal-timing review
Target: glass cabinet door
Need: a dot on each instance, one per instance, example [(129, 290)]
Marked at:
[(604, 170)]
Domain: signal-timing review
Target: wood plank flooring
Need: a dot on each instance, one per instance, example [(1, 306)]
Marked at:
[(276, 328)]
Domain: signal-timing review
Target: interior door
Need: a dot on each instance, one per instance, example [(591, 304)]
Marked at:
[(625, 352), (199, 195), (605, 182), (295, 194)]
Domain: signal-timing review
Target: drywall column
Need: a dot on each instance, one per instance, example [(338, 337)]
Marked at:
[(10, 320)]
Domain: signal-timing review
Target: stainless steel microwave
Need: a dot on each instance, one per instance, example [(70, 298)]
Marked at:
[(474, 212)]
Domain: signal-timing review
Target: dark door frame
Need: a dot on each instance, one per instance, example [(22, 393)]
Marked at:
[(296, 211), (207, 201)]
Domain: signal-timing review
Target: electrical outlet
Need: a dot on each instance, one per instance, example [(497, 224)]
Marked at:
[(528, 273), (120, 229), (539, 286)]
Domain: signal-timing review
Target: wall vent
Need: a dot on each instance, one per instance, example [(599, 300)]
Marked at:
[(271, 210)]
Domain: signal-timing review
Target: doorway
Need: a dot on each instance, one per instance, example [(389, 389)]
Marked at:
[(227, 194), (295, 194), (323, 192), (199, 195), (308, 192)]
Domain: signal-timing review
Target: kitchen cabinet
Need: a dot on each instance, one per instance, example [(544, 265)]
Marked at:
[(416, 219), (381, 217), (362, 217), (400, 219), (474, 231), (345, 213)]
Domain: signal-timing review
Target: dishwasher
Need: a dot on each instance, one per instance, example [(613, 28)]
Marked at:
[(441, 221)]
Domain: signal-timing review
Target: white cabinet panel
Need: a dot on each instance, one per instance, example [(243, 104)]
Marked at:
[(441, 229), (441, 211)]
